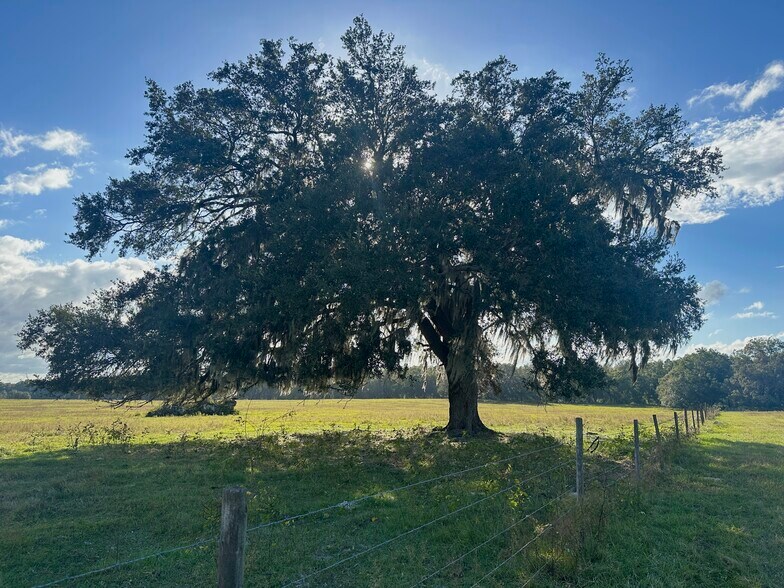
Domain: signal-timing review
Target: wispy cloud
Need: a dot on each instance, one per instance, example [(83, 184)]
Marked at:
[(59, 140), (12, 144), (754, 310), (35, 180), (743, 95), (753, 149), (435, 73)]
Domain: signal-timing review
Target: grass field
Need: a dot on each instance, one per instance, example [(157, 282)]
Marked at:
[(83, 486), (32, 426)]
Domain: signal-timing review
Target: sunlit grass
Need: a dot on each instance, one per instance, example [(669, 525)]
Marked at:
[(35, 425)]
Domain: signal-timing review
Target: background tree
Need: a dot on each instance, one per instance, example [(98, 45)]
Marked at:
[(621, 389), (758, 374), (333, 219), (699, 378)]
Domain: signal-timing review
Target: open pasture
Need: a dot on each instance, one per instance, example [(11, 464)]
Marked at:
[(30, 426), (83, 486)]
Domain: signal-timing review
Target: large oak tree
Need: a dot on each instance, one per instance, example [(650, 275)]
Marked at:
[(332, 218)]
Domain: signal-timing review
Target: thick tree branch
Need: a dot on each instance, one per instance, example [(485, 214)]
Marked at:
[(434, 340)]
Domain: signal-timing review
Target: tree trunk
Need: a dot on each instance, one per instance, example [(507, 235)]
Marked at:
[(451, 329), (463, 380), (463, 401)]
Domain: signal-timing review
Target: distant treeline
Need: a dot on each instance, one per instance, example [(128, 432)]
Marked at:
[(752, 378)]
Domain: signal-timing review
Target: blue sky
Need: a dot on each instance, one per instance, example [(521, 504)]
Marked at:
[(72, 104)]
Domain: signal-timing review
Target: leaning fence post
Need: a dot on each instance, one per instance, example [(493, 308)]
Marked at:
[(656, 426), (677, 428), (702, 415), (578, 442), (231, 548), (637, 449), (686, 422)]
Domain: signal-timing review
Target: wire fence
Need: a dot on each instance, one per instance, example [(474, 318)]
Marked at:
[(608, 464)]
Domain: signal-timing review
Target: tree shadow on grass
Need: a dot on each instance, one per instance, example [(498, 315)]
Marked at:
[(69, 511)]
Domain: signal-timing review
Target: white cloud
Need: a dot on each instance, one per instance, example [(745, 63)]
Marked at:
[(752, 314), (697, 211), (12, 144), (770, 80), (62, 141), (730, 347), (716, 332), (712, 292), (734, 91), (36, 179), (744, 94), (59, 140), (753, 149), (744, 290), (28, 284), (759, 305)]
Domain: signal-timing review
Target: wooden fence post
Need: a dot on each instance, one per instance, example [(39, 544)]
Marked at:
[(686, 422), (656, 426), (677, 428), (702, 414), (637, 449), (578, 442), (231, 548), (694, 423)]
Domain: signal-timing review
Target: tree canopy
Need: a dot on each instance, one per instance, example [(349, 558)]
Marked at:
[(699, 378), (758, 374), (332, 219)]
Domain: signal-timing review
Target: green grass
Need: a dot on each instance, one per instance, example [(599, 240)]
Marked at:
[(134, 485), (713, 517), (32, 426)]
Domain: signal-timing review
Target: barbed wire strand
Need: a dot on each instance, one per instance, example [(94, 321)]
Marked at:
[(604, 471), (536, 573), (423, 526), (523, 548), (343, 504), (380, 493), (543, 566), (130, 561), (498, 534)]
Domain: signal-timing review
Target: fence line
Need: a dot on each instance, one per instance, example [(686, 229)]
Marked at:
[(425, 525), (496, 536), (380, 493), (128, 562), (698, 417), (343, 504), (533, 576), (524, 547)]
